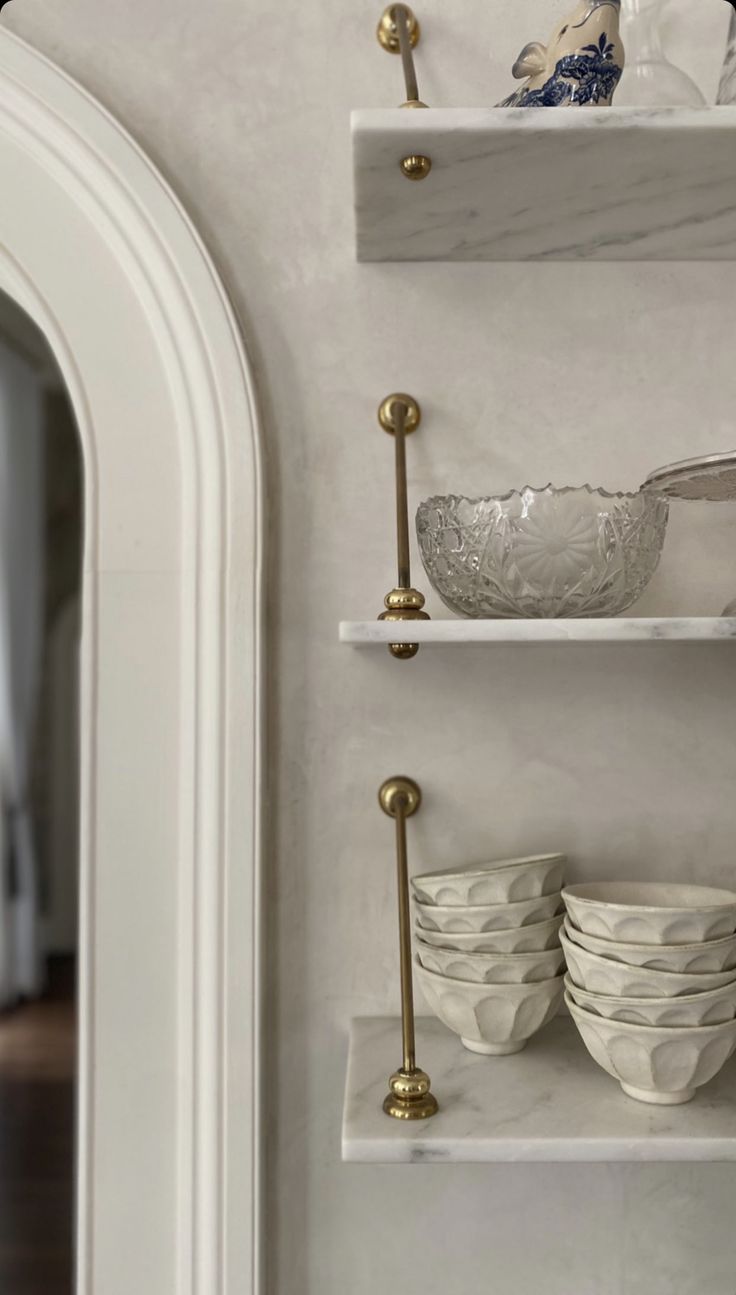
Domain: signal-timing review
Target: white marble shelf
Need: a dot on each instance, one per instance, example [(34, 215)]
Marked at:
[(557, 184), (548, 1103), (619, 629)]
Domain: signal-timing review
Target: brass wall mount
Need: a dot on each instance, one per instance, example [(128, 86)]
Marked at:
[(399, 415), (388, 28), (398, 32), (410, 1096)]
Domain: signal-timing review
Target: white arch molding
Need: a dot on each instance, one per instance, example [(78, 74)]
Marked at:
[(96, 248)]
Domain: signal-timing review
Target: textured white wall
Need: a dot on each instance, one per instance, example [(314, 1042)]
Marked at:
[(624, 757)]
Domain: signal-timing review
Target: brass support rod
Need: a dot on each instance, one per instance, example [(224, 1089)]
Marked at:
[(399, 415), (399, 411), (401, 805), (410, 1096), (407, 56), (398, 32)]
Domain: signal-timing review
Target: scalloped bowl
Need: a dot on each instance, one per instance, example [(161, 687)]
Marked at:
[(537, 937), (617, 980), (663, 1066), (707, 955), (495, 1020), (567, 551), (486, 917), (651, 912), (492, 968), (710, 1008), (492, 883)]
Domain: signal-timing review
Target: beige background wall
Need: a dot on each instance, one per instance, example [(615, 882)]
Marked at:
[(623, 757)]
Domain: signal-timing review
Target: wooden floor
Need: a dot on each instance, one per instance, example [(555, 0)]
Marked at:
[(37, 1058)]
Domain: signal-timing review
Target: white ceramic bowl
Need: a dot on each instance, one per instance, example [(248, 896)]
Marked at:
[(522, 939), (492, 968), (709, 955), (711, 1008), (617, 980), (492, 883), (487, 917), (651, 912), (661, 1066), (494, 1020)]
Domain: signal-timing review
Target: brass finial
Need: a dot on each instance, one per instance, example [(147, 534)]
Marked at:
[(409, 1097), (399, 414), (388, 28)]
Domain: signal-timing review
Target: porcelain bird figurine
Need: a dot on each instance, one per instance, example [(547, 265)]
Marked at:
[(727, 87), (581, 65)]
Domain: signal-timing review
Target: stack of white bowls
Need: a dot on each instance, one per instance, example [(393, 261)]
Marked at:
[(651, 983), (489, 959)]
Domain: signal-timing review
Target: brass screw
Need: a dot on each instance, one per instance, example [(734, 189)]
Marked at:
[(416, 167)]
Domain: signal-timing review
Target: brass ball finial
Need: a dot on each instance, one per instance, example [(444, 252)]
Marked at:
[(400, 786), (387, 417), (388, 32), (410, 1097)]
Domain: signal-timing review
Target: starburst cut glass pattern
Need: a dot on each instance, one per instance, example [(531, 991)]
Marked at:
[(542, 553)]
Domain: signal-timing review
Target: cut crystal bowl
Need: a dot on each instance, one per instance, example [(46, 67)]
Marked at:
[(573, 551)]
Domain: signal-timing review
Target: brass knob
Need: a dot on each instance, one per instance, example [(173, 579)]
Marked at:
[(416, 167), (388, 32)]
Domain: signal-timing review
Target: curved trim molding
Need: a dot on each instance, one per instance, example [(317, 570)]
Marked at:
[(94, 245)]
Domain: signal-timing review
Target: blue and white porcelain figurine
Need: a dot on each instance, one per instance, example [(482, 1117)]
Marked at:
[(727, 87), (580, 67)]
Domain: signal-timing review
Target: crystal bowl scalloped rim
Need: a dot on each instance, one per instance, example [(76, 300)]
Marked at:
[(539, 553)]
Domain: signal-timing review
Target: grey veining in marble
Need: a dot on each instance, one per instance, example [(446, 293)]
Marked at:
[(621, 629), (562, 184), (548, 1103)]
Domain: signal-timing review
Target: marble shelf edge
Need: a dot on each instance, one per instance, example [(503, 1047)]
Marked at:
[(547, 184), (550, 1103), (702, 629)]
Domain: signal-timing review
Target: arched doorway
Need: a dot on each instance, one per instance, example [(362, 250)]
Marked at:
[(96, 249)]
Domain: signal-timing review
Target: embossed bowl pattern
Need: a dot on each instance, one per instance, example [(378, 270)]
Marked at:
[(710, 1008), (617, 980), (650, 912), (551, 552), (709, 955), (493, 883), (491, 1019), (662, 1066), (535, 938), (492, 968), (486, 917)]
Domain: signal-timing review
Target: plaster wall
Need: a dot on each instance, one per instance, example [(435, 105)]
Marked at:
[(623, 757)]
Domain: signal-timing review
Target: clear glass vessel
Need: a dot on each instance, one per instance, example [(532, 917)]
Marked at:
[(542, 553), (650, 80)]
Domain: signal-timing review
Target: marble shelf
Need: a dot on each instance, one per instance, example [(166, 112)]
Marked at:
[(619, 629), (608, 184), (548, 1103)]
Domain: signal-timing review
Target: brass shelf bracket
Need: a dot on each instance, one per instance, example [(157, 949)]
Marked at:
[(399, 415), (398, 32), (410, 1096)]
